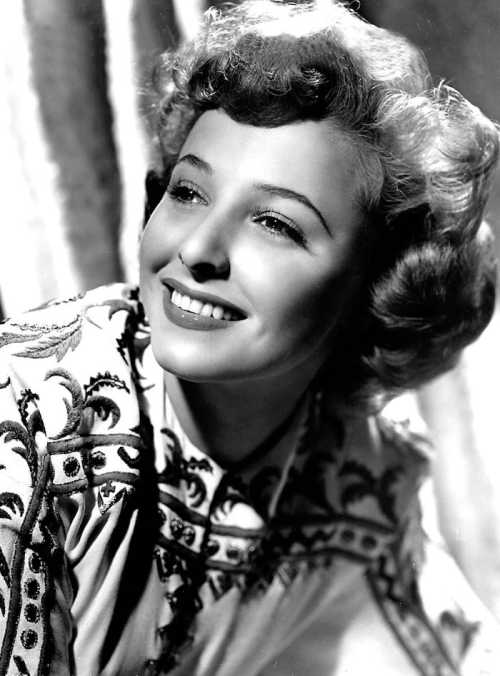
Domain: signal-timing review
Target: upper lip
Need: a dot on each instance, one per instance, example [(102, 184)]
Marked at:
[(202, 296)]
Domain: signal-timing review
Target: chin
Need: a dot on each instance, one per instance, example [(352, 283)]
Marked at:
[(195, 365)]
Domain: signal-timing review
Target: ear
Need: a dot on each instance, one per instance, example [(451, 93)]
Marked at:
[(156, 184)]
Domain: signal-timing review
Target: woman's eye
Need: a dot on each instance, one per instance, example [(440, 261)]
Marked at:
[(279, 227), (185, 193)]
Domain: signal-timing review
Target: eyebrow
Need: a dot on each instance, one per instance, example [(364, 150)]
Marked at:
[(269, 188), (197, 162), (286, 193)]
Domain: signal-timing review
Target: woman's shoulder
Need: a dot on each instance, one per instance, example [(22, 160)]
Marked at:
[(354, 487), (72, 442), (385, 479), (71, 332), (364, 499), (59, 326), (68, 351), (380, 461)]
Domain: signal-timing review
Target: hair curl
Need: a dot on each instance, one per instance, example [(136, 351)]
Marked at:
[(426, 157)]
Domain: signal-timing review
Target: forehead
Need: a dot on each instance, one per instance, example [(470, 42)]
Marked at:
[(311, 157)]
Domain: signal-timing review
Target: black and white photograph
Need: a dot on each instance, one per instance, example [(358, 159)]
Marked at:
[(249, 338)]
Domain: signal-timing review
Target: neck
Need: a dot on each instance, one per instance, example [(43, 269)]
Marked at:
[(228, 421)]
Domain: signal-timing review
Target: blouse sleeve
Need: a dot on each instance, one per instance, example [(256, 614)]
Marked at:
[(35, 594), (440, 630), (409, 611)]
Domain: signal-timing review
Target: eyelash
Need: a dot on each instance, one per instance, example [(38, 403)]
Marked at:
[(285, 228), (282, 227), (175, 192)]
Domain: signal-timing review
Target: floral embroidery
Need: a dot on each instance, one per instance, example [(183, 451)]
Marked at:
[(381, 488), (212, 530)]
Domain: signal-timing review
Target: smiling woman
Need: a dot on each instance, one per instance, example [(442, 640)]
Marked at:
[(199, 476), (247, 207)]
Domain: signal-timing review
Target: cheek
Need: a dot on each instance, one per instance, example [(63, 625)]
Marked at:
[(156, 246), (292, 292), (310, 310)]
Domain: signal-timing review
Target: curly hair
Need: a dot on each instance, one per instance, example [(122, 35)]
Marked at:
[(425, 161)]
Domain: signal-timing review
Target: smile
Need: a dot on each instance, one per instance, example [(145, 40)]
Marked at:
[(191, 309), (197, 307)]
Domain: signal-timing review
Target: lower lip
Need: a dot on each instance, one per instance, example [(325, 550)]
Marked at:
[(189, 320)]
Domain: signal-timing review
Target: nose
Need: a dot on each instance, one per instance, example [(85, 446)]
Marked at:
[(204, 251)]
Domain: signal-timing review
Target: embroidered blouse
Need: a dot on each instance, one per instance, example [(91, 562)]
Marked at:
[(126, 550)]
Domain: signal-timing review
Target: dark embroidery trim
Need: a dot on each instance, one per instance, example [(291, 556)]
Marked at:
[(367, 484), (339, 520), (326, 552), (186, 601), (29, 639), (31, 613), (35, 563), (182, 510), (72, 487), (131, 461), (197, 519), (71, 466), (98, 460), (105, 379), (234, 531), (4, 569), (104, 407), (13, 503), (21, 666), (121, 495), (27, 397), (186, 554), (73, 410), (46, 341), (18, 562), (459, 623), (14, 431), (32, 588), (439, 652), (90, 442), (178, 469), (55, 558), (123, 477), (307, 482), (134, 340)]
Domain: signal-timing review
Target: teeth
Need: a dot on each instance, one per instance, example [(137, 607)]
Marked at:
[(199, 308), (195, 306)]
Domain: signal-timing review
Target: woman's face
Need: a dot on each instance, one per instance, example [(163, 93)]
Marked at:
[(253, 253)]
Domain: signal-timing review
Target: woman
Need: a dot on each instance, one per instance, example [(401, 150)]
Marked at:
[(227, 498)]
